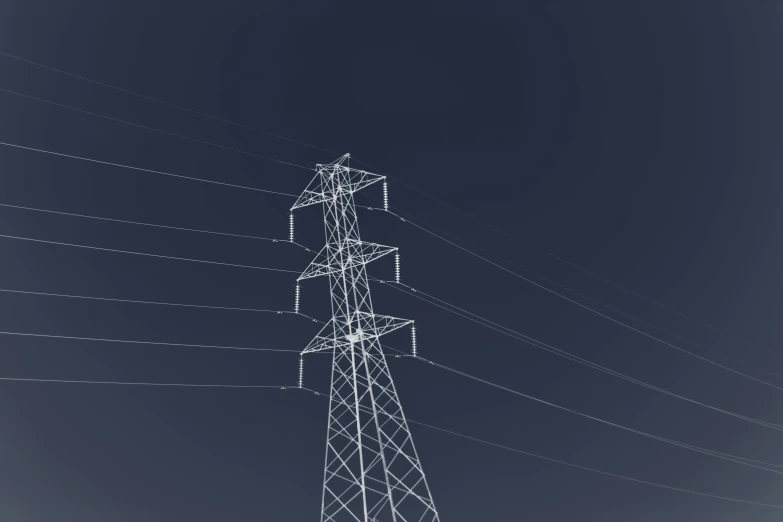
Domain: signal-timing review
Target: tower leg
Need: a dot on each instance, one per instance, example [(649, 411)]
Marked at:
[(372, 473)]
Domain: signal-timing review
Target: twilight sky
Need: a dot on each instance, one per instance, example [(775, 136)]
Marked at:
[(638, 140)]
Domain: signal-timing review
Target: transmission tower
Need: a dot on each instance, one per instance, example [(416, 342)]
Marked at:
[(372, 472)]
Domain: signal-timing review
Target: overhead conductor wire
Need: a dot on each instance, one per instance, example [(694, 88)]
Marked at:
[(594, 311), (451, 308), (430, 196), (577, 466)]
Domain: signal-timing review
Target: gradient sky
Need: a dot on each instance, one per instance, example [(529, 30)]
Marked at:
[(639, 140)]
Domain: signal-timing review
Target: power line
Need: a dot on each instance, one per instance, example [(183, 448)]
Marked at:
[(153, 129), (170, 227), (403, 183), (305, 167), (405, 217), (567, 355), (152, 343), (581, 305), (301, 246), (443, 430), (717, 454), (124, 383), (41, 335), (160, 303), (585, 468), (266, 158), (169, 104), (409, 186), (606, 473), (570, 356), (237, 386), (140, 169), (725, 456), (147, 254), (572, 264), (528, 340)]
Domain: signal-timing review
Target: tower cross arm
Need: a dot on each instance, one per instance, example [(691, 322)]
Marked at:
[(368, 326), (324, 187), (309, 197), (360, 179), (357, 253)]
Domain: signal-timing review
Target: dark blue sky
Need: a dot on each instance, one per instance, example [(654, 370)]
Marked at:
[(636, 139)]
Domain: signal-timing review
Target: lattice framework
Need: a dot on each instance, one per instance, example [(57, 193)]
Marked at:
[(372, 471)]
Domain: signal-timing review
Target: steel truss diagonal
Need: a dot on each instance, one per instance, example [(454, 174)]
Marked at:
[(372, 471)]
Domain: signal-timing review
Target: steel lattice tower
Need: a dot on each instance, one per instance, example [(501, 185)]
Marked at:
[(372, 471)]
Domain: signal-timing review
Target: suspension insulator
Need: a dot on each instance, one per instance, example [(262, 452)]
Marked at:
[(291, 227), (301, 371), (397, 267), (385, 196), (296, 299), (413, 340)]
